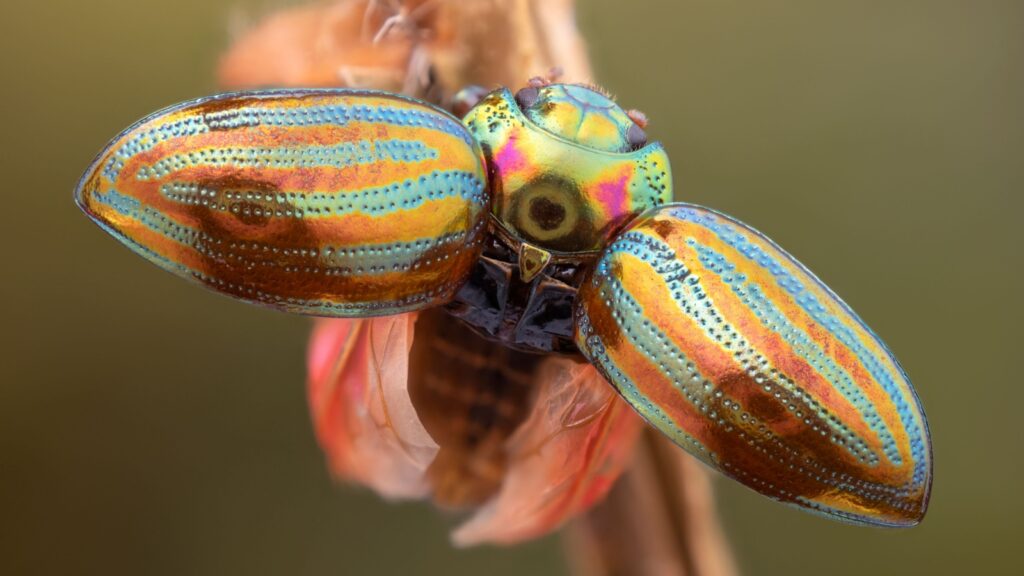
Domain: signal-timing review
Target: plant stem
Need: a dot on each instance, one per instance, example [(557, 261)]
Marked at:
[(659, 519)]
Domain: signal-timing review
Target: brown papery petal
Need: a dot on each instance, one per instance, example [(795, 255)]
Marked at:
[(562, 459), (318, 46), (523, 441)]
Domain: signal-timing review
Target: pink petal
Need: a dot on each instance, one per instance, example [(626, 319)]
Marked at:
[(362, 414), (563, 459)]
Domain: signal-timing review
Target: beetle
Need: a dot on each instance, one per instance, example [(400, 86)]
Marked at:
[(542, 220)]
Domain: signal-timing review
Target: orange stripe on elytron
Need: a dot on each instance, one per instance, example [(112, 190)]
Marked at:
[(325, 260), (750, 462), (635, 276), (733, 443), (652, 385), (719, 366), (638, 322), (780, 354), (309, 278), (836, 350), (339, 179), (747, 464), (430, 219), (760, 256)]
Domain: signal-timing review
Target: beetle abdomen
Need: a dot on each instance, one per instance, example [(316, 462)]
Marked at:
[(735, 351), (326, 202)]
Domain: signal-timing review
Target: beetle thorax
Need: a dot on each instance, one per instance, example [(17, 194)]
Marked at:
[(567, 167)]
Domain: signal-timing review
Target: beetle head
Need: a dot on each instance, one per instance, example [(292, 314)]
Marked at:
[(581, 114)]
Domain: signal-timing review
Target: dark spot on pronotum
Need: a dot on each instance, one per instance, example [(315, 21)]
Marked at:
[(547, 214), (561, 193)]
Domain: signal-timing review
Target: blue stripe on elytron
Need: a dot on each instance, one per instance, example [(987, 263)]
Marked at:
[(620, 295), (658, 347), (340, 155), (377, 201), (816, 310), (770, 316), (598, 355), (362, 260), (700, 307), (337, 114), (825, 511), (144, 141), (128, 206), (334, 114)]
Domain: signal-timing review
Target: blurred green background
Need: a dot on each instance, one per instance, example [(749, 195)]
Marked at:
[(150, 427)]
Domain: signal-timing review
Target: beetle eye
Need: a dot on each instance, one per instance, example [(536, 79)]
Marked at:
[(636, 137), (527, 97)]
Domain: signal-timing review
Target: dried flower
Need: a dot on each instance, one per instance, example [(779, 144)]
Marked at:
[(424, 48), (419, 406)]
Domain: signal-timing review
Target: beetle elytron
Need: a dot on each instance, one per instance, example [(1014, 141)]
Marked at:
[(542, 220)]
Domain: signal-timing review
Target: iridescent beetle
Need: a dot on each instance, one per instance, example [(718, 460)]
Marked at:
[(543, 220)]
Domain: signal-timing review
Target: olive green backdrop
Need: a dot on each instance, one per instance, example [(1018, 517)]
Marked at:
[(150, 427)]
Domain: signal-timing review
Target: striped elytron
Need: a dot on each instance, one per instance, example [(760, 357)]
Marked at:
[(543, 221)]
